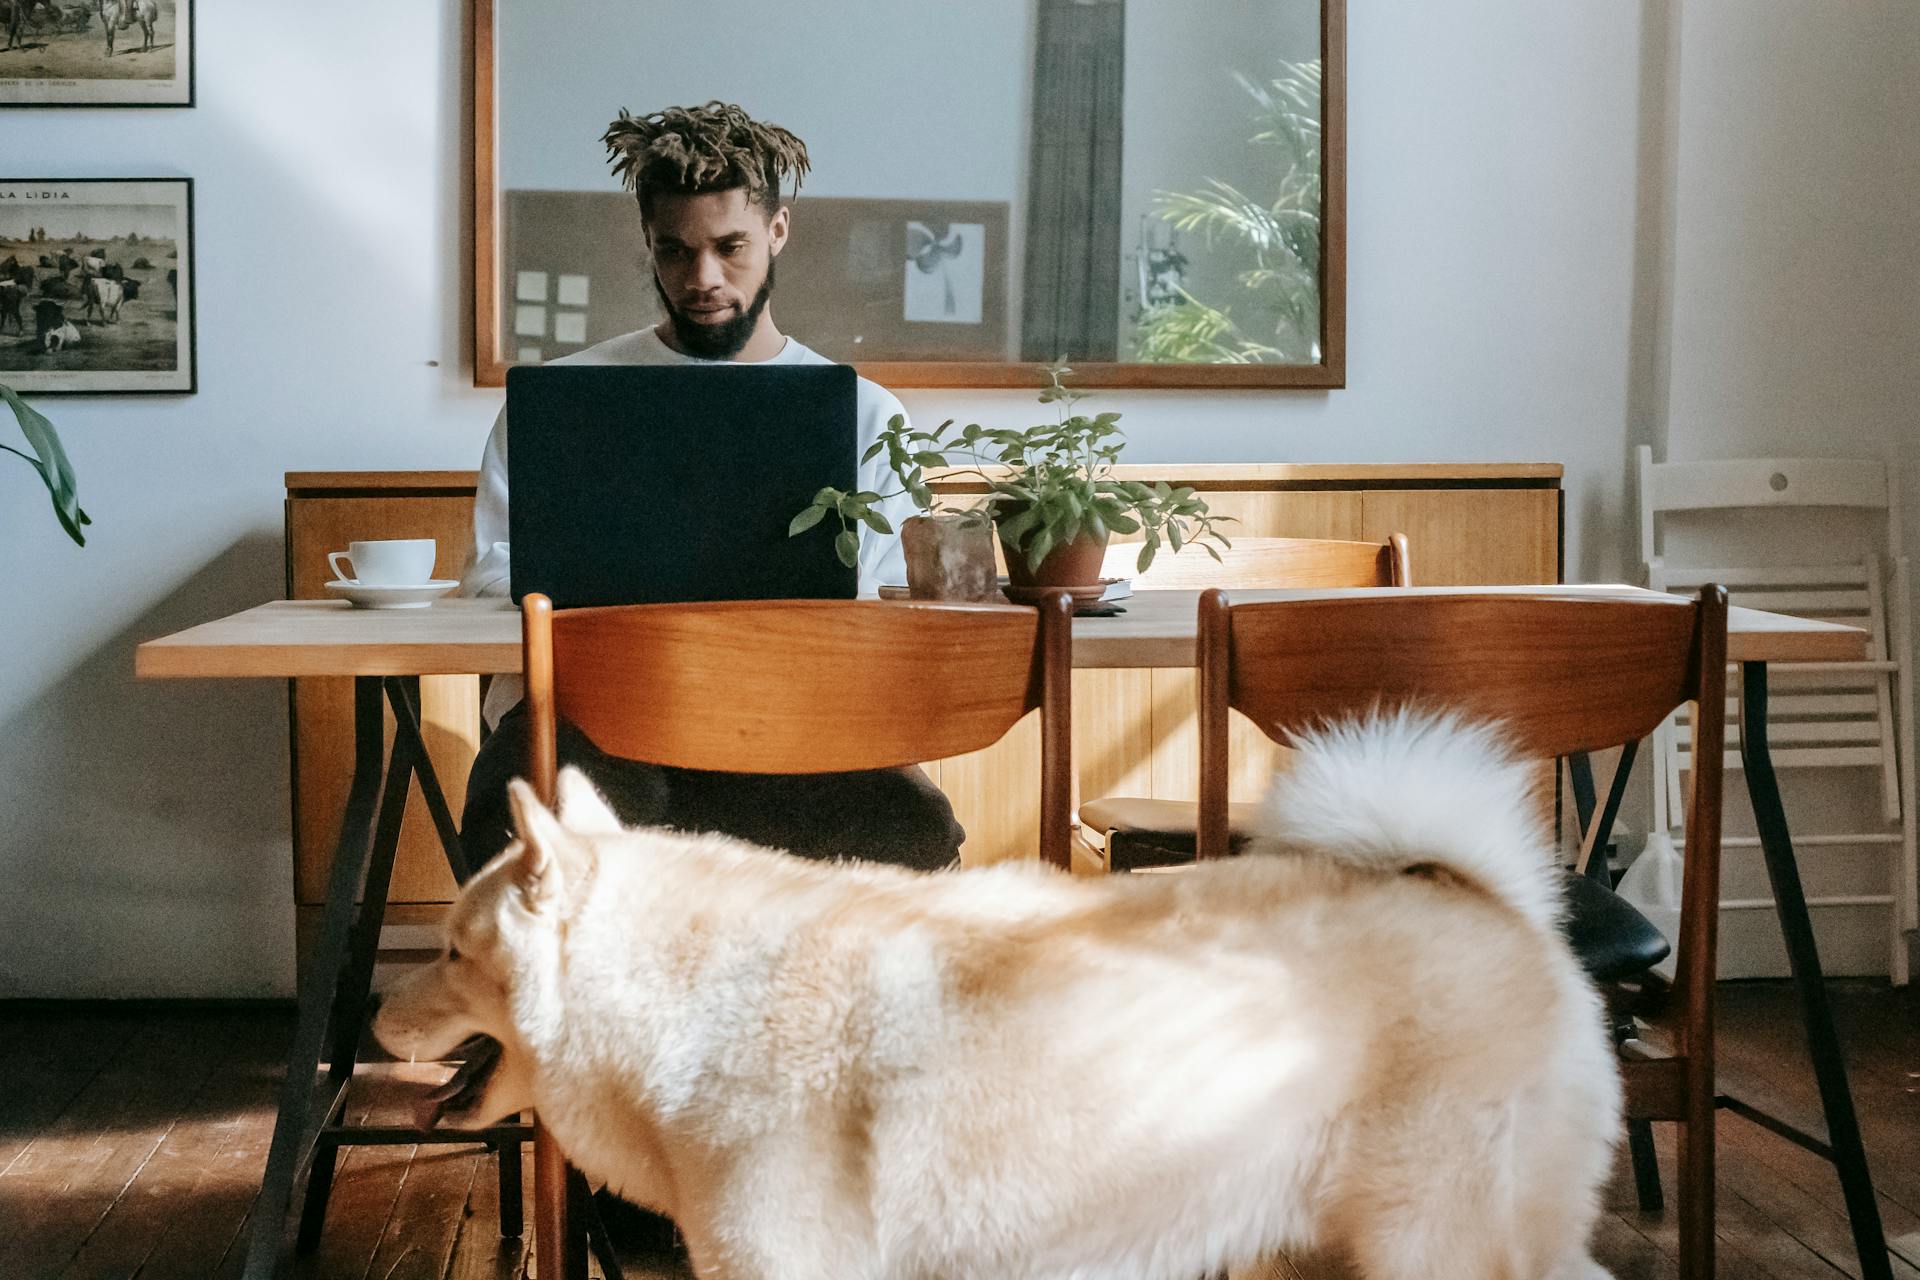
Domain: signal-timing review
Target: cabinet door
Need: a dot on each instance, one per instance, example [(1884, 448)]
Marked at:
[(1470, 537), (322, 709)]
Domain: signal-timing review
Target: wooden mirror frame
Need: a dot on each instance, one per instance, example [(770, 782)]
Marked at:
[(489, 370)]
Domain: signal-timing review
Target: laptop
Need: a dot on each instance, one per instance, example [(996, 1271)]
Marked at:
[(645, 484)]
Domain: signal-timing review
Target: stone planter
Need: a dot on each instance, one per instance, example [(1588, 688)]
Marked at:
[(950, 557)]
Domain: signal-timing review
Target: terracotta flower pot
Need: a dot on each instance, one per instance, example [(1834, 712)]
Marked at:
[(1074, 564), (950, 557)]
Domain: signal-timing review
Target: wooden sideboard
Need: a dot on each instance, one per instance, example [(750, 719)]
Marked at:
[(1133, 730)]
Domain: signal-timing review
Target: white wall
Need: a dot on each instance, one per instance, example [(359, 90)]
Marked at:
[(1499, 172), (1797, 274), (1795, 314), (144, 834)]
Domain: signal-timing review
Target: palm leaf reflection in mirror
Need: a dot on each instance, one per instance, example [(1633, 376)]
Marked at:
[(1274, 316)]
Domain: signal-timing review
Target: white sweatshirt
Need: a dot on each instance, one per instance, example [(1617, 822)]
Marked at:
[(488, 571)]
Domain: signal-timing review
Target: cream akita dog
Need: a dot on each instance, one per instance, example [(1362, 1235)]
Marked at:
[(1368, 1037)]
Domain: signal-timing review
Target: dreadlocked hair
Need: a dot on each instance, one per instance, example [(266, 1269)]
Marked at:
[(693, 150)]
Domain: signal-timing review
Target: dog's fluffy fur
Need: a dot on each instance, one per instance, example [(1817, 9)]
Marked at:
[(1368, 1038)]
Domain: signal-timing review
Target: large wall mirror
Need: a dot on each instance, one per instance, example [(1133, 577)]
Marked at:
[(1153, 189)]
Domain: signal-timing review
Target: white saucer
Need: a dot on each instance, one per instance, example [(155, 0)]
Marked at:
[(412, 595)]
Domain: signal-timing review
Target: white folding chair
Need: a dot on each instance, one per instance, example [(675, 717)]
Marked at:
[(1822, 715)]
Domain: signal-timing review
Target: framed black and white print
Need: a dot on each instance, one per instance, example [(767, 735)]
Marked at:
[(96, 53), (96, 285)]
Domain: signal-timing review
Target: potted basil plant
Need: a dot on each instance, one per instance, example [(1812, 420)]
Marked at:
[(1051, 497)]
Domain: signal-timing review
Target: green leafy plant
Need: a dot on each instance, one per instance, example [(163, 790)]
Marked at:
[(1047, 485), (1281, 236), (50, 460)]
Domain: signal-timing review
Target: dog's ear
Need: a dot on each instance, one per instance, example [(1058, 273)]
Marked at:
[(547, 853), (582, 808)]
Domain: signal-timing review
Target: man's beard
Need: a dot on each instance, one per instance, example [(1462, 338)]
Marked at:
[(721, 341)]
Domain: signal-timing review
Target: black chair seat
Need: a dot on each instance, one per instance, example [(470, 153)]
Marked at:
[(1144, 834), (1610, 937), (1129, 850)]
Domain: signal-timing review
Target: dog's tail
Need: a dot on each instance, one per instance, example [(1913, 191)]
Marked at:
[(1397, 790)]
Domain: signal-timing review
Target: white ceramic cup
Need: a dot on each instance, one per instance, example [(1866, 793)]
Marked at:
[(388, 562)]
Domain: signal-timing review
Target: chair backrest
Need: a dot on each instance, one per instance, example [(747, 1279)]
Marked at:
[(1563, 674), (1827, 715), (1822, 715), (1254, 564), (1862, 483), (803, 686)]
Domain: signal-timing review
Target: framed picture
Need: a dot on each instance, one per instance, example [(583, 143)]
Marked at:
[(946, 270), (96, 53), (96, 285)]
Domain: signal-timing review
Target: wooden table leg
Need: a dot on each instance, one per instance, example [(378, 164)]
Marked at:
[(557, 1251)]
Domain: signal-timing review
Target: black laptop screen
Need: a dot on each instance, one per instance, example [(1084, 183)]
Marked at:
[(638, 484)]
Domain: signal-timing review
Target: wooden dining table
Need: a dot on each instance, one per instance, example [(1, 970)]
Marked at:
[(287, 638), (386, 651)]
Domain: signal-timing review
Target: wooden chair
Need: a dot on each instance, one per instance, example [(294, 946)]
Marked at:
[(789, 686), (1564, 675), (1137, 834)]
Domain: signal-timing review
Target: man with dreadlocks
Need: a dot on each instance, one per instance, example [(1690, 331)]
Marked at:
[(709, 182)]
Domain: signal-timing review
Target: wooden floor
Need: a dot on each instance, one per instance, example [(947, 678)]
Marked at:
[(132, 1141)]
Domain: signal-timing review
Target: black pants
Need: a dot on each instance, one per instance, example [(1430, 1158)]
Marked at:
[(880, 815)]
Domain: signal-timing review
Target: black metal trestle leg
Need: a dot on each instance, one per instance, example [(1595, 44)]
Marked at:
[(589, 1231), (296, 1125), (334, 994), (405, 697), (1646, 1166), (356, 981), (1823, 1040), (512, 1208), (1600, 824), (1580, 780)]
